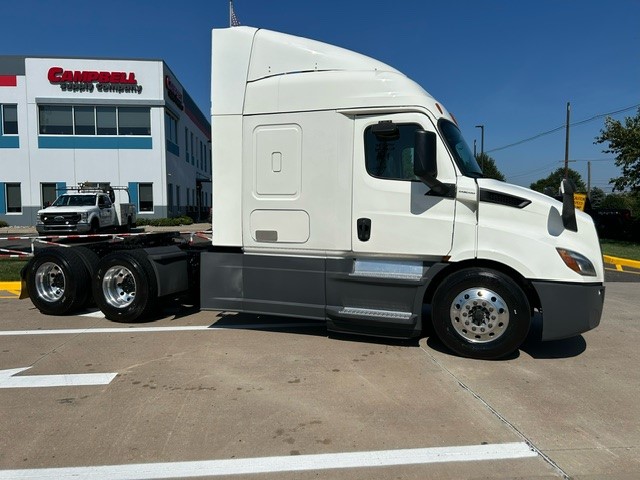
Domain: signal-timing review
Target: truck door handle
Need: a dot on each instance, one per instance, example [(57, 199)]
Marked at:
[(364, 229)]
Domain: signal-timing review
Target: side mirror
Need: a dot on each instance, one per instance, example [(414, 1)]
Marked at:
[(568, 206), (424, 156), (425, 164)]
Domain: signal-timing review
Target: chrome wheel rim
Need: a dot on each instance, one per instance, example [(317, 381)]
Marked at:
[(479, 315), (50, 282), (119, 287)]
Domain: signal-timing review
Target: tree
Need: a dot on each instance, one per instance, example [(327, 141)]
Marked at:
[(617, 201), (553, 181), (489, 168), (597, 197), (624, 142)]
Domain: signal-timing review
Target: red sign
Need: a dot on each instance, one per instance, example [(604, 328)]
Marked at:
[(173, 92), (79, 81), (8, 81), (60, 75)]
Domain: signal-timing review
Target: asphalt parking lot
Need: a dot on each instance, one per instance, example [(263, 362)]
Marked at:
[(197, 394)]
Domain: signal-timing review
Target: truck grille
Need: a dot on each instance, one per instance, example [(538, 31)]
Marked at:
[(60, 218)]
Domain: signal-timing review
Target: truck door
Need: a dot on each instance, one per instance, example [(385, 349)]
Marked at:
[(106, 211), (393, 212)]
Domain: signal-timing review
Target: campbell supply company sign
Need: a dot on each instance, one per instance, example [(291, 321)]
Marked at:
[(91, 80), (174, 92)]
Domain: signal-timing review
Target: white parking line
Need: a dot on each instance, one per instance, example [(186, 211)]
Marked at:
[(76, 331), (297, 463)]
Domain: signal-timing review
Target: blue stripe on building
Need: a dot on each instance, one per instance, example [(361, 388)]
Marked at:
[(173, 148), (98, 143), (3, 205), (7, 141)]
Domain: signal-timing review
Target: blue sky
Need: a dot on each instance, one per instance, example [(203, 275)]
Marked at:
[(509, 65)]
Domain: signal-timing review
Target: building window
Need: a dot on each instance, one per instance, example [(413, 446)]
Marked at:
[(13, 198), (170, 197), (145, 196), (106, 120), (171, 127), (134, 121), (49, 193), (90, 120), (186, 144), (56, 120), (85, 120), (193, 152), (9, 117), (178, 198)]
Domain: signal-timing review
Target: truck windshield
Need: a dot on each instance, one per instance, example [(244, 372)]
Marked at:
[(75, 201), (463, 156)]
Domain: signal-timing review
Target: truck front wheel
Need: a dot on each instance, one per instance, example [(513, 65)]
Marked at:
[(95, 226), (481, 313), (125, 286), (57, 280)]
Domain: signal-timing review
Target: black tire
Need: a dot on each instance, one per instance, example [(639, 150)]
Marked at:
[(125, 286), (95, 226), (90, 260), (58, 281), (481, 313)]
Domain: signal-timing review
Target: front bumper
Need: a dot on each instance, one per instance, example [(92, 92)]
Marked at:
[(569, 309), (49, 229)]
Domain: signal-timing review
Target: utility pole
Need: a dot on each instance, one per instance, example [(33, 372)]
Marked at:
[(566, 144), (589, 180)]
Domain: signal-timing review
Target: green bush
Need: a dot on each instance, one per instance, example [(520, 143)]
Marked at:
[(3, 224), (164, 222)]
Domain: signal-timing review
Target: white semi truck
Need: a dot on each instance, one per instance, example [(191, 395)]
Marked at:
[(343, 192)]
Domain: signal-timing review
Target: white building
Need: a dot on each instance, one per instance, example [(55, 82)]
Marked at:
[(64, 121)]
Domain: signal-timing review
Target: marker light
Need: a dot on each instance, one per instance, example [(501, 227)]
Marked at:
[(577, 262)]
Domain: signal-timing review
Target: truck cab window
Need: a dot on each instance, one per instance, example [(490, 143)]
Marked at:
[(104, 201), (391, 156), (461, 152)]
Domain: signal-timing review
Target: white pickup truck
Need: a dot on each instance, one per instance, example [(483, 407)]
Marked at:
[(85, 212)]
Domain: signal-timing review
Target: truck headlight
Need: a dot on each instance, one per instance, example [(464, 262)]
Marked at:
[(577, 262), (38, 218), (83, 217)]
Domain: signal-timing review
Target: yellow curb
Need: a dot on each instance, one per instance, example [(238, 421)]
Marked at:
[(621, 262), (11, 287)]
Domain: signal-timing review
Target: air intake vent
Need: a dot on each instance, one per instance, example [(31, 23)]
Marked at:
[(499, 198)]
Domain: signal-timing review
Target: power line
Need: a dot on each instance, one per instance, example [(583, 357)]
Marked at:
[(531, 172), (561, 127), (547, 166)]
